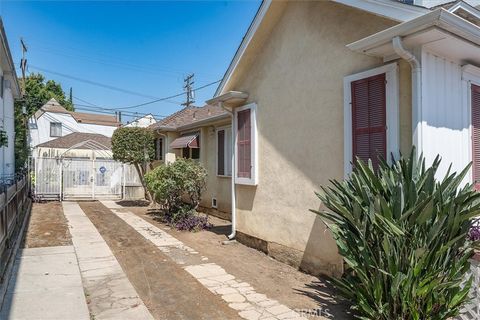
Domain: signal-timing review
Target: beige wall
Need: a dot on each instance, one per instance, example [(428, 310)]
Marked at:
[(296, 79), (218, 187)]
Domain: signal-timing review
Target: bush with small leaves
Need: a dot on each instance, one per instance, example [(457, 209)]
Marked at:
[(177, 188)]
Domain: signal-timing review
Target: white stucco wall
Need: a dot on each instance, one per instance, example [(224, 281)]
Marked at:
[(69, 125)]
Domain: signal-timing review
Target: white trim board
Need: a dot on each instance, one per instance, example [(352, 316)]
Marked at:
[(386, 8), (243, 45), (394, 10), (392, 112), (470, 75)]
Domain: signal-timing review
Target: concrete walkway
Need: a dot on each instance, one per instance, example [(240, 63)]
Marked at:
[(238, 295), (45, 285), (110, 293)]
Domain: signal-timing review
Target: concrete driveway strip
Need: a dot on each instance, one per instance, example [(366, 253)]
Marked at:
[(109, 292), (45, 284)]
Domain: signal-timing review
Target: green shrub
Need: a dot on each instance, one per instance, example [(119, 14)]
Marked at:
[(177, 187), (403, 236)]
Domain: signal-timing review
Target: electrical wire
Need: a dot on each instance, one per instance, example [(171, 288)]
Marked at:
[(155, 100)]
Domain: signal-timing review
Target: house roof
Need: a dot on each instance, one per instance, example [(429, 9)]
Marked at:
[(189, 116), (391, 9), (95, 141), (91, 118)]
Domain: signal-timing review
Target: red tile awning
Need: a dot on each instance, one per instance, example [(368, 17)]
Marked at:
[(190, 141)]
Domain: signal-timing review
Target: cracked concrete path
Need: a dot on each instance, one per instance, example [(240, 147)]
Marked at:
[(109, 293), (168, 291), (45, 284)]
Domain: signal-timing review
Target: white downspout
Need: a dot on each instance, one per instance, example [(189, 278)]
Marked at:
[(231, 236), (416, 90)]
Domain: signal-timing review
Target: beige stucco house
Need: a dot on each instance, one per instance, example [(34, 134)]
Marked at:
[(315, 84)]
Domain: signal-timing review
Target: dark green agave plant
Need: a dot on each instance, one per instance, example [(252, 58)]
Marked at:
[(404, 239)]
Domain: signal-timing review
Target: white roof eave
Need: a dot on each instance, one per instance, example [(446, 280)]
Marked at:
[(440, 18)]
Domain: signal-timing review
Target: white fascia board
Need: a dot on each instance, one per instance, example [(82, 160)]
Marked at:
[(243, 46), (386, 8), (439, 18)]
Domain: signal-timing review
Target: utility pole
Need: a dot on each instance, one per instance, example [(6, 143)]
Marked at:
[(188, 88), (23, 63), (23, 66)]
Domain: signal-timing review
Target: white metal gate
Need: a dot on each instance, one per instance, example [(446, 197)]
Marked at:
[(79, 178)]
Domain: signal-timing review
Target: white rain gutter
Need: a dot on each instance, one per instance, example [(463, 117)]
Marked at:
[(233, 97), (232, 235), (416, 89)]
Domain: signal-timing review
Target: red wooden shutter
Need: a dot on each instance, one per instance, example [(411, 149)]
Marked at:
[(476, 135), (221, 152), (369, 130), (244, 154)]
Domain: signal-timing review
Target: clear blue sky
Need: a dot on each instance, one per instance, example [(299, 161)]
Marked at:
[(144, 47)]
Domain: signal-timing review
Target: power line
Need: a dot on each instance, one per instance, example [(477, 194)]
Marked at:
[(107, 86), (79, 52), (165, 99)]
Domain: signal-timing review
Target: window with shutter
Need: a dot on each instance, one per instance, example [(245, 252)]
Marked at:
[(244, 155), (221, 152), (369, 138), (224, 151), (159, 149), (475, 105)]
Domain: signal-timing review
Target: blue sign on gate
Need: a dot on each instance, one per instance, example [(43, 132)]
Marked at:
[(103, 169)]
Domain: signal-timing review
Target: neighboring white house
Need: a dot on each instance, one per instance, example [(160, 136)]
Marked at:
[(142, 122), (52, 121), (9, 91)]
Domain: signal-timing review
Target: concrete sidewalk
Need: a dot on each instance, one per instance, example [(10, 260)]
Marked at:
[(45, 285), (110, 293)]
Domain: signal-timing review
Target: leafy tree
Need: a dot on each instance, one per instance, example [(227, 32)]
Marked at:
[(135, 146), (37, 92), (404, 238)]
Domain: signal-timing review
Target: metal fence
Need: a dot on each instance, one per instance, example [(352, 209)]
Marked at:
[(13, 200), (67, 178)]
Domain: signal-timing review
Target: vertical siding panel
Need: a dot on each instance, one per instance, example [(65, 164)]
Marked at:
[(443, 113)]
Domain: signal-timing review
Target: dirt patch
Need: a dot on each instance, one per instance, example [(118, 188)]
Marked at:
[(167, 290), (278, 281), (47, 226)]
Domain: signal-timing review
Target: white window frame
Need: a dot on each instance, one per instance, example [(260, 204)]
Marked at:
[(392, 112), (228, 158), (470, 75), (253, 180), (61, 129)]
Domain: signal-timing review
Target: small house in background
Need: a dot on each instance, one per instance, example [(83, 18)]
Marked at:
[(77, 145), (142, 122), (9, 91), (53, 121)]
